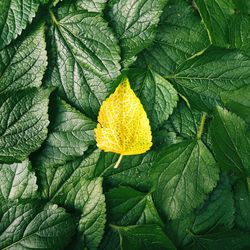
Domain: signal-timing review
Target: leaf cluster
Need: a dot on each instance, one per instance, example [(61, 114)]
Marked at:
[(189, 64)]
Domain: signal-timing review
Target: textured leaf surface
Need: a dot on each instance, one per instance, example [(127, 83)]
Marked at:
[(23, 123), (223, 240), (185, 173), (242, 203), (144, 237), (84, 47), (75, 5), (185, 121), (123, 126), (243, 6), (204, 77), (239, 35), (217, 213), (216, 15), (72, 186), (14, 17), (23, 64), (29, 226), (135, 22), (230, 144), (71, 133), (133, 171), (180, 35), (157, 95), (238, 101), (127, 206), (17, 181)]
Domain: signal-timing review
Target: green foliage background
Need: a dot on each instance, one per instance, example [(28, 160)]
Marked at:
[(188, 62)]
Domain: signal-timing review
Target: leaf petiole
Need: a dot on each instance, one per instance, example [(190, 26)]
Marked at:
[(118, 161), (201, 128)]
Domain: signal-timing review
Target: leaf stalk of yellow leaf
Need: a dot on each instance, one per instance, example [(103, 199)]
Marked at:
[(119, 161)]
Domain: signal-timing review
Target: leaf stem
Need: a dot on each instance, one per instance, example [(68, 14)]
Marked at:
[(185, 100), (53, 18), (119, 161), (201, 128)]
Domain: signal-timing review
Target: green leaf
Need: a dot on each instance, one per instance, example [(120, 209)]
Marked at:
[(230, 144), (75, 5), (238, 101), (14, 17), (71, 133), (23, 63), (23, 123), (135, 22), (30, 226), (216, 16), (185, 121), (157, 95), (17, 181), (223, 240), (239, 33), (243, 6), (242, 203), (165, 137), (180, 35), (202, 78), (134, 171), (216, 214), (127, 206), (185, 173), (71, 186), (84, 47), (144, 237)]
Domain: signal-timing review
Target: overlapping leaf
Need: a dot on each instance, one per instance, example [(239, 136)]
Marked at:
[(18, 181), (14, 17), (230, 144), (23, 123), (185, 173), (181, 34), (83, 46)]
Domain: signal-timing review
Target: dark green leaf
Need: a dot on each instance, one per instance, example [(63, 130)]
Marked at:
[(185, 121), (180, 35), (216, 15), (70, 186), (239, 33), (202, 78), (185, 173), (135, 22), (216, 214), (30, 226), (23, 63), (127, 206), (75, 5), (144, 237), (23, 123), (71, 133), (243, 6), (238, 101), (242, 203), (14, 17), (225, 241), (17, 181), (133, 171), (85, 48), (157, 95), (231, 147)]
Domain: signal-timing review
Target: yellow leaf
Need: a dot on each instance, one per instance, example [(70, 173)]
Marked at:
[(123, 126)]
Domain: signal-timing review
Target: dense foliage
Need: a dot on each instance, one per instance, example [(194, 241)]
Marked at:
[(189, 64)]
